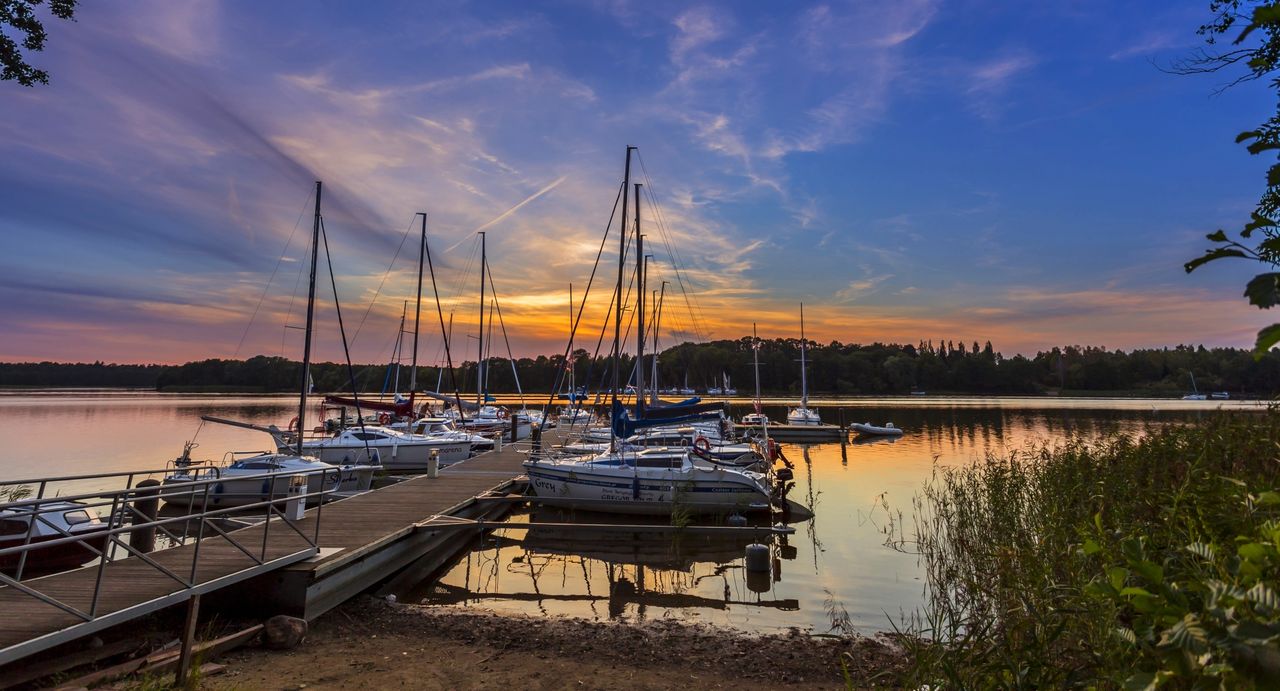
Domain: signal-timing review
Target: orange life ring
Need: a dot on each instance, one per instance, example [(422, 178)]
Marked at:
[(702, 445), (384, 418)]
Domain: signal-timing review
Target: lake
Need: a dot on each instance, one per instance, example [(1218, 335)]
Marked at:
[(837, 562)]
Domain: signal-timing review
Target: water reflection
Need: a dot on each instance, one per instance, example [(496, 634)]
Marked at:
[(609, 573)]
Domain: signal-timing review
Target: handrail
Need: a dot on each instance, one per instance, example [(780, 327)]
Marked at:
[(132, 527), (166, 488), (95, 476)]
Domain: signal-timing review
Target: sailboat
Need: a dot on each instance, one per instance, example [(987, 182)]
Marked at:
[(634, 480), (757, 418), (260, 476), (803, 415), (1195, 394)]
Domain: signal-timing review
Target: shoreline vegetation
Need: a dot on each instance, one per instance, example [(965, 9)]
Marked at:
[(835, 369), (1135, 561)]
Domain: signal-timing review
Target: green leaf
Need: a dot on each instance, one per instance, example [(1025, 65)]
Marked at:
[(1134, 590), (1213, 255), (1267, 338), (1154, 573), (1140, 681), (1090, 547), (1245, 136), (1253, 551), (1117, 575), (1218, 235), (1264, 290), (1268, 498)]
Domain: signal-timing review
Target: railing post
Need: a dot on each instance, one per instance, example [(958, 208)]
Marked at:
[(102, 562), (182, 677), (204, 517)]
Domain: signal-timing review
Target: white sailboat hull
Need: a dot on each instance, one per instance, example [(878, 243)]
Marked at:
[(648, 491), (396, 457)]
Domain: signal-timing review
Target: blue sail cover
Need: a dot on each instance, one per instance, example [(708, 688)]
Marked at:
[(624, 425)]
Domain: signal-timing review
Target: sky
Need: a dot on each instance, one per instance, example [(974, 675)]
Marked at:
[(1023, 173)]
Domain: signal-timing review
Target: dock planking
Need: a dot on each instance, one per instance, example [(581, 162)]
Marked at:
[(348, 530)]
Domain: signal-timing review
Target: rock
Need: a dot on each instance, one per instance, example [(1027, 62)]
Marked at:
[(283, 632)]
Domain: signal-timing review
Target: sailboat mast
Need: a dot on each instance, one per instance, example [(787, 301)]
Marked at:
[(617, 313), (399, 354), (640, 263), (755, 346), (573, 389), (657, 322), (804, 377), (480, 357), (311, 312), (417, 310)]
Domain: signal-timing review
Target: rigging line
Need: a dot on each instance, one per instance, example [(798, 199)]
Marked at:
[(444, 334), (551, 397), (697, 318), (385, 274), (666, 233), (293, 297), (510, 356), (675, 255), (351, 372), (276, 268)]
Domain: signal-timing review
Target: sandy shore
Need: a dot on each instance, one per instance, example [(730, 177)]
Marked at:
[(370, 644)]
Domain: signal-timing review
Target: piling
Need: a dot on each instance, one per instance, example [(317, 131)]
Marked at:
[(146, 506)]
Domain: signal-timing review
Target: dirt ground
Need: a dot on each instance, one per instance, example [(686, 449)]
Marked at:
[(371, 644)]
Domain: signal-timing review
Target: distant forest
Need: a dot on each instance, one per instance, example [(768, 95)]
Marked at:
[(835, 368)]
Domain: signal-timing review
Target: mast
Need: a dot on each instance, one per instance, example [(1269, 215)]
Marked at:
[(617, 313), (573, 389), (480, 356), (804, 379), (755, 346), (311, 312), (640, 264), (399, 353), (417, 310), (657, 322)]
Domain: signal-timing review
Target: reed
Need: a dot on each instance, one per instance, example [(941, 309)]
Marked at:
[(1140, 561)]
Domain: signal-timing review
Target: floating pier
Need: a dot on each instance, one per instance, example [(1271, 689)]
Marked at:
[(302, 567)]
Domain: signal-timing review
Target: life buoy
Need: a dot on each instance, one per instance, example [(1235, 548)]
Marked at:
[(384, 418), (702, 446)]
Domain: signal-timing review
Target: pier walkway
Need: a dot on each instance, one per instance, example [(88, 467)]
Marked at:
[(351, 544)]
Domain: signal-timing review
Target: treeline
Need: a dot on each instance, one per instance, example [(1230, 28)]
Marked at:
[(80, 374), (834, 368)]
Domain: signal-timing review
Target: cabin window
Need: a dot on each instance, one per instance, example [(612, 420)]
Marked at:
[(13, 526), (659, 462), (368, 436), (77, 517), (258, 465)]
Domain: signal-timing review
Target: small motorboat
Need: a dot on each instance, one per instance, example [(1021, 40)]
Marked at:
[(258, 478), (803, 416), (54, 520), (886, 430)]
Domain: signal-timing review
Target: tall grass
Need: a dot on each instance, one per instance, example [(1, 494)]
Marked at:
[(1130, 562)]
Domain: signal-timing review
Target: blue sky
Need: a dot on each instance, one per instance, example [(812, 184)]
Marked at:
[(1020, 172)]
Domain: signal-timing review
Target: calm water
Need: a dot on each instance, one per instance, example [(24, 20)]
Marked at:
[(838, 558)]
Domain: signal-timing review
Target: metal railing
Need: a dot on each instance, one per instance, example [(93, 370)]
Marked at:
[(133, 510)]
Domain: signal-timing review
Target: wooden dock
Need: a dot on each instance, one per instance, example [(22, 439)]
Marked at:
[(362, 540)]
